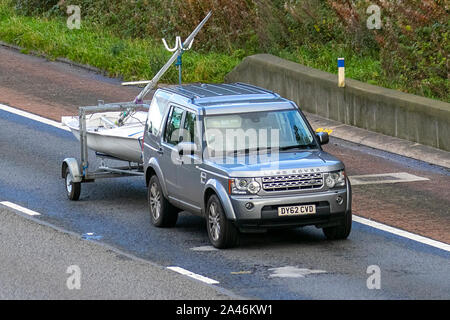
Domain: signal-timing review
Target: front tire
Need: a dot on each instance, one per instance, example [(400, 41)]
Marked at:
[(162, 213), (221, 232), (340, 232)]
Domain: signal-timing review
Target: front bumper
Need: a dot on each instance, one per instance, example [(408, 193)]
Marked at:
[(264, 214)]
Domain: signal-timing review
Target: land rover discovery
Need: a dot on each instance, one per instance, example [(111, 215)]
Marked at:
[(245, 159)]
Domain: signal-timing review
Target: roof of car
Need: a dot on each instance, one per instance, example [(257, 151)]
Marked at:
[(205, 95)]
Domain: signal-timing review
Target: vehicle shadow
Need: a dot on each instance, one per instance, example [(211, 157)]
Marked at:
[(122, 192), (309, 236)]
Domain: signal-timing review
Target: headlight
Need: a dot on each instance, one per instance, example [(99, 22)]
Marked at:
[(335, 179), (243, 186)]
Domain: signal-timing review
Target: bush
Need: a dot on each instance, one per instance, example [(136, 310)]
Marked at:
[(410, 52), (414, 45), (32, 7)]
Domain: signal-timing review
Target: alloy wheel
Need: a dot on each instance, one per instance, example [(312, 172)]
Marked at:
[(214, 221), (155, 201)]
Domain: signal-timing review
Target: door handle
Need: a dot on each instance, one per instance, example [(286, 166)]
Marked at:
[(160, 150)]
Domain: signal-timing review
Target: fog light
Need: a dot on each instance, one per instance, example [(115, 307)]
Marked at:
[(339, 200), (249, 206)]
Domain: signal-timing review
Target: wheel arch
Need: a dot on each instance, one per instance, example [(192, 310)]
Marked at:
[(213, 186), (349, 195), (153, 168)]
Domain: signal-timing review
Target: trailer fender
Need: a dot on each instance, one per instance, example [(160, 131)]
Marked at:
[(74, 168)]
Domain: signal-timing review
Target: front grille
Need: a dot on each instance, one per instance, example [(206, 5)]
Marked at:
[(293, 182)]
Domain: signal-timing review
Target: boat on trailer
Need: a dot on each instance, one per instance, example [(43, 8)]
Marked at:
[(105, 136), (115, 130)]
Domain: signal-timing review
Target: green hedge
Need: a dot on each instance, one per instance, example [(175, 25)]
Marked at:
[(410, 53)]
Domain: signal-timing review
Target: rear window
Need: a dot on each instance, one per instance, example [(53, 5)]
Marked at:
[(155, 116)]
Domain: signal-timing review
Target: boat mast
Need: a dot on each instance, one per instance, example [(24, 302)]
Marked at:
[(177, 53)]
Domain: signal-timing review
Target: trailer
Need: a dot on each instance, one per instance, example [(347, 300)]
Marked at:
[(75, 173)]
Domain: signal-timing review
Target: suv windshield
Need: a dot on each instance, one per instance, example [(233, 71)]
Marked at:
[(258, 131)]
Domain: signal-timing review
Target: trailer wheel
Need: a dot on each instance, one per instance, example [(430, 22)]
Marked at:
[(73, 189)]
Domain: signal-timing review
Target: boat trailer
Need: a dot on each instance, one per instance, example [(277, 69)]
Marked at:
[(76, 173)]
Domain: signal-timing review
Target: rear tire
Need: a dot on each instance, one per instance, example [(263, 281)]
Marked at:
[(221, 232), (340, 232), (162, 213), (73, 189)]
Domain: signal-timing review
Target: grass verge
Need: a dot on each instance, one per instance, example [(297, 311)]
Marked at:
[(131, 59), (138, 59)]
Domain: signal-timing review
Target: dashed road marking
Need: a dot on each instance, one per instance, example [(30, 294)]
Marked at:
[(385, 178), (204, 248), (20, 208), (193, 275), (402, 233)]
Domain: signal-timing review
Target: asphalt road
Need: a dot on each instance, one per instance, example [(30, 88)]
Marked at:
[(38, 262), (115, 211)]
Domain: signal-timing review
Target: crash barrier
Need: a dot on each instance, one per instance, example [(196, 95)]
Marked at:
[(382, 110)]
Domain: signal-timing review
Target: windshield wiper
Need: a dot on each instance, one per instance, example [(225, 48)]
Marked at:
[(299, 146), (248, 150)]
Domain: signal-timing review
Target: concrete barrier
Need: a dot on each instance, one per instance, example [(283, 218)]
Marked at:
[(387, 111)]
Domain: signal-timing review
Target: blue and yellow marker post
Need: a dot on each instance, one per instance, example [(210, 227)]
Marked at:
[(341, 72)]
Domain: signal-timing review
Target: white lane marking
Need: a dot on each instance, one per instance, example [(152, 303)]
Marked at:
[(204, 248), (402, 233), (293, 272), (384, 178), (33, 117), (20, 208), (193, 275)]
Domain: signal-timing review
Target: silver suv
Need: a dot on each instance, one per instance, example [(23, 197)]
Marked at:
[(244, 158)]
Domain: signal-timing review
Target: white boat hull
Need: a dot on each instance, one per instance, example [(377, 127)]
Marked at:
[(120, 142)]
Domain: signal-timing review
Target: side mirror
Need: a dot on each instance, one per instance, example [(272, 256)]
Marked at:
[(186, 148), (323, 136)]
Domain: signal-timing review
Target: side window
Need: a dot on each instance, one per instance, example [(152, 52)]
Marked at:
[(172, 134), (155, 116), (189, 127)]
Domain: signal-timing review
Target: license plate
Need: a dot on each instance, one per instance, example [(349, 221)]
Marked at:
[(297, 210)]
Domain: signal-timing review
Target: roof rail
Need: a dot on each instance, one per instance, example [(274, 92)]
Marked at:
[(256, 88), (182, 92), (216, 93)]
